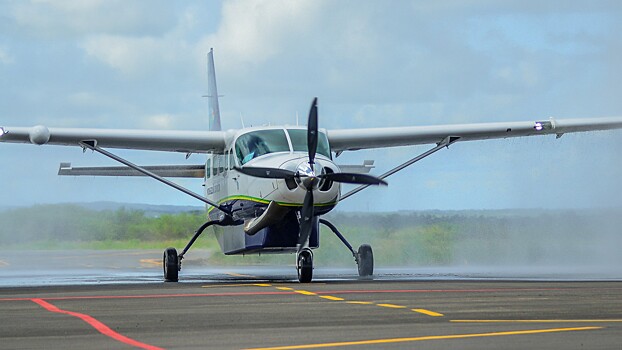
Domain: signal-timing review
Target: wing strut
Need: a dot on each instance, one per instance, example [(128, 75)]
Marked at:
[(92, 145), (445, 143)]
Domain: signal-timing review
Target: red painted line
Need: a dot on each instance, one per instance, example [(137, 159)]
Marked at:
[(154, 296), (233, 294), (100, 327)]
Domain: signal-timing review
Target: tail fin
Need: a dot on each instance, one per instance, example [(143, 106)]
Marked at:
[(212, 92)]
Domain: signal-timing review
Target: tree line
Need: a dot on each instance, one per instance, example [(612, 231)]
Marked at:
[(419, 238)]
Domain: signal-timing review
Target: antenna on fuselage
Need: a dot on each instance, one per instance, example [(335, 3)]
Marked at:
[(242, 120), (297, 121)]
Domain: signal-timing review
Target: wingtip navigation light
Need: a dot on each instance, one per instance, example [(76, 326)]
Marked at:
[(539, 126)]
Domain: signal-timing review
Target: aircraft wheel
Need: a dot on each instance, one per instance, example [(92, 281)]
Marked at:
[(305, 266), (366, 261), (171, 265)]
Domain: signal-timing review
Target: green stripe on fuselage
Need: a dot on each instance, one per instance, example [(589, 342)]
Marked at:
[(265, 201)]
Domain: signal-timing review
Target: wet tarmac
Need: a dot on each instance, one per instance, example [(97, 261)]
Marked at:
[(117, 300)]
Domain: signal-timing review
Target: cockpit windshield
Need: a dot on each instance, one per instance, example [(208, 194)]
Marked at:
[(258, 143), (299, 141)]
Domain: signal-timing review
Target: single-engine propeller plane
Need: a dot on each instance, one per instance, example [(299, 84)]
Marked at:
[(266, 188)]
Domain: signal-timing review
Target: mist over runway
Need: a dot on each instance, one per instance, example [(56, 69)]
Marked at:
[(93, 267)]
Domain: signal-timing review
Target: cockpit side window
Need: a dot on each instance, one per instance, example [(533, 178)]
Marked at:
[(299, 142), (257, 143)]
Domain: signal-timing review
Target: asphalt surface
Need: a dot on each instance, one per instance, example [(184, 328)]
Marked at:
[(255, 307)]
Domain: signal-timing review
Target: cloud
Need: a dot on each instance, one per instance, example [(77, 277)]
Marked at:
[(132, 55), (159, 121), (251, 32), (71, 18), (5, 57)]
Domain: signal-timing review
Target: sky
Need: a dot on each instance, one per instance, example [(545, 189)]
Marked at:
[(142, 64)]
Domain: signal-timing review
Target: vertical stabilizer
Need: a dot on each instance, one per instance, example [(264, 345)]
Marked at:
[(212, 92)]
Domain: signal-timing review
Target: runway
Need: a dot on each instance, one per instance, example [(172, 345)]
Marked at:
[(255, 308)]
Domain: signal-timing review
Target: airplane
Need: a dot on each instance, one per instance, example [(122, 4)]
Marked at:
[(267, 188)]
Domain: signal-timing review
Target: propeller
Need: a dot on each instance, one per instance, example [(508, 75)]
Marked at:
[(310, 180), (267, 173), (312, 132)]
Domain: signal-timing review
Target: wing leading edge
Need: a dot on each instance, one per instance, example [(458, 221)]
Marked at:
[(355, 139), (155, 140)]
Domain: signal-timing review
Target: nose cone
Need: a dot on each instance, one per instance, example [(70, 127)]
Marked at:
[(308, 175), (325, 193)]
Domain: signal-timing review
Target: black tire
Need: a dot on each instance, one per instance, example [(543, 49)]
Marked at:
[(305, 266), (366, 261), (171, 265)]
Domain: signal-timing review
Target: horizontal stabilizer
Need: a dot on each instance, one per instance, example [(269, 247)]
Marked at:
[(194, 171), (364, 168)]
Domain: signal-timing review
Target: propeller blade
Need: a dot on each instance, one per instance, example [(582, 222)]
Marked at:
[(312, 131), (352, 178), (306, 220), (267, 173)]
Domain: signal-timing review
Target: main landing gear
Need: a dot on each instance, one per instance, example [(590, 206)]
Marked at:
[(171, 261), (171, 265)]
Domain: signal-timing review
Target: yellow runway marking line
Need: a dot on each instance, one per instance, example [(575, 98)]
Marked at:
[(431, 337), (262, 285), (328, 297), (102, 255), (538, 321), (304, 292), (428, 312), (284, 288), (360, 302), (236, 285), (239, 275), (392, 306), (151, 262)]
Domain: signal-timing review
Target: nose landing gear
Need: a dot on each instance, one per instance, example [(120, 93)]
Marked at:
[(304, 265)]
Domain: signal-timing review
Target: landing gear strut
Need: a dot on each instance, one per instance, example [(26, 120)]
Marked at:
[(304, 265), (364, 257)]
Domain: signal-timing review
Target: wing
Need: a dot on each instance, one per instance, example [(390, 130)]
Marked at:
[(354, 139), (155, 140)]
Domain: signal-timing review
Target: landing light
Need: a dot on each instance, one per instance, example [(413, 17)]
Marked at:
[(538, 126)]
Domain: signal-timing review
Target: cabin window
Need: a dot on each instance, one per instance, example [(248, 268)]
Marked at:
[(208, 168), (225, 161), (231, 160), (299, 142), (221, 163), (258, 143)]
